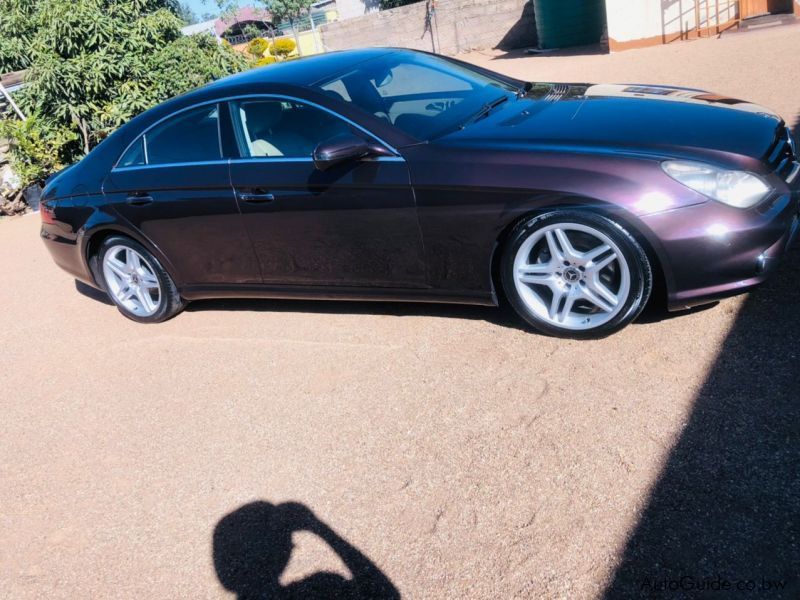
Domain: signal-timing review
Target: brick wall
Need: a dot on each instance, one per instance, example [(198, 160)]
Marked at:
[(462, 25)]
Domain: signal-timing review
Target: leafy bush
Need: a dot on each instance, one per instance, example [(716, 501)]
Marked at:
[(265, 60), (257, 47), (37, 147), (282, 47)]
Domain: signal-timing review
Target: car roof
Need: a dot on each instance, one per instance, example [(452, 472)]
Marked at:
[(284, 77), (308, 70)]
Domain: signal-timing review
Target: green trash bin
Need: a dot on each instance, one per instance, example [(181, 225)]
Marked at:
[(565, 23)]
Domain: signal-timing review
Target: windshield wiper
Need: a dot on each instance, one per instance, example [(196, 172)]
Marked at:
[(485, 110), (523, 91)]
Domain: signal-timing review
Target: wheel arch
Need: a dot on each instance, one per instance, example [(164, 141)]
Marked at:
[(661, 276), (94, 237)]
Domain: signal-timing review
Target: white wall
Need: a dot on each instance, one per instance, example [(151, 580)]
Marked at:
[(349, 9), (630, 20)]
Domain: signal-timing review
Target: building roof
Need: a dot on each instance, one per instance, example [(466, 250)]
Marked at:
[(243, 15), (204, 27), (12, 80)]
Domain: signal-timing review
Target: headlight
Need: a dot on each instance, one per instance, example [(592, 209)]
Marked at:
[(735, 188)]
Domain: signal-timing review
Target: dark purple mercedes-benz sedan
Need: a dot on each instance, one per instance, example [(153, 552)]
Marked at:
[(397, 175)]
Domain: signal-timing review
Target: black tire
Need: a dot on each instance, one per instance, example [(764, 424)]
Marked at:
[(170, 301), (641, 275)]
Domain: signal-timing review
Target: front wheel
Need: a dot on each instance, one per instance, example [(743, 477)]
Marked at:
[(136, 282), (575, 274)]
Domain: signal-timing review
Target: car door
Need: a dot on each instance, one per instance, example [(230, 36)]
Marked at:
[(173, 185), (354, 225)]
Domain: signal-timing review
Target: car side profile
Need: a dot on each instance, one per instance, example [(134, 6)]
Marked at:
[(389, 174)]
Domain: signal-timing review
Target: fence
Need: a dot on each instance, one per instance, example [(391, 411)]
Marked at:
[(453, 26)]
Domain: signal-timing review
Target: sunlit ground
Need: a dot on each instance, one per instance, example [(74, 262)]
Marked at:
[(460, 455)]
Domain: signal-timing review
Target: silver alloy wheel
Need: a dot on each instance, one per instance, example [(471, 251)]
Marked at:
[(132, 281), (572, 276)]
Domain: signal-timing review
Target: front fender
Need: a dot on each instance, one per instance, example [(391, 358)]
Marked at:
[(632, 222)]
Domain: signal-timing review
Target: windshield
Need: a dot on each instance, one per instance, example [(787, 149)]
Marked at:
[(422, 95)]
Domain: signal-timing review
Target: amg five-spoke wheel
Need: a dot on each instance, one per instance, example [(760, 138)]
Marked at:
[(136, 282), (131, 280), (575, 274)]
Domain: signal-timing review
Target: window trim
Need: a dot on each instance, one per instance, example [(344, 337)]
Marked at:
[(241, 134), (141, 141), (223, 159), (143, 137)]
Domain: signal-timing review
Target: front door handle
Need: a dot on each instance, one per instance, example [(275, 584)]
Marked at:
[(139, 199), (256, 198)]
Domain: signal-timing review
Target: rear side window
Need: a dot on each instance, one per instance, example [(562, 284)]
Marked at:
[(191, 136), (134, 155)]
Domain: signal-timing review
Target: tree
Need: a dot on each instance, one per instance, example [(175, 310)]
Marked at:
[(94, 64), (186, 14), (289, 10), (17, 27)]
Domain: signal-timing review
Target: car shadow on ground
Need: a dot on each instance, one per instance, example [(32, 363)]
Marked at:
[(502, 316), (726, 508), (92, 293), (253, 544), (656, 311)]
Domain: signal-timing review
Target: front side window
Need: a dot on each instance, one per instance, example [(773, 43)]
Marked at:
[(422, 95), (189, 136), (282, 128)]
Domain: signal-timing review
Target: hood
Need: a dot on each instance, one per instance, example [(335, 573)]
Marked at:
[(662, 121)]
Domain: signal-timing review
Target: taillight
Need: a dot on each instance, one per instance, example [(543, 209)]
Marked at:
[(48, 213)]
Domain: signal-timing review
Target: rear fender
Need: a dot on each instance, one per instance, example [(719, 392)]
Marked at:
[(101, 224)]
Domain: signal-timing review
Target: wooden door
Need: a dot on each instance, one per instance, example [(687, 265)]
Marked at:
[(754, 8)]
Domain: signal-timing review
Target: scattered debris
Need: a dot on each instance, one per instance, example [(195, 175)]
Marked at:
[(12, 198)]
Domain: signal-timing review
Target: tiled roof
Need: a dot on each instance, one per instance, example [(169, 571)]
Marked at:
[(12, 79), (248, 13)]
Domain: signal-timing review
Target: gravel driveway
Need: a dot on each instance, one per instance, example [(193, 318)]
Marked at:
[(428, 451)]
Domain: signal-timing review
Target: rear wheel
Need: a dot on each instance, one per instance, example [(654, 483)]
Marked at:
[(575, 274), (136, 282)]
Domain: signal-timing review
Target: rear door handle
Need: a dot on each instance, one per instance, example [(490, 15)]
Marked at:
[(256, 198), (139, 199)]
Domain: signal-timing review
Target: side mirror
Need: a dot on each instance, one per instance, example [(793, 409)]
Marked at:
[(339, 149)]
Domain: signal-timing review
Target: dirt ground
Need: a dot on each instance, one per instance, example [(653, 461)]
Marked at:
[(427, 451)]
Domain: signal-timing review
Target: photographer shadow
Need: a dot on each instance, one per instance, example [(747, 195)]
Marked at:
[(725, 510), (252, 547)]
